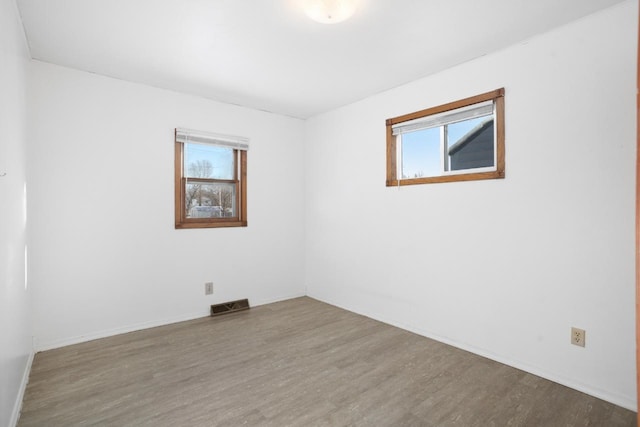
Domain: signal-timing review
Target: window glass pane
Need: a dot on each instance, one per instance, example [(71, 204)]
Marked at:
[(421, 153), (210, 200), (471, 143), (458, 141), (208, 161)]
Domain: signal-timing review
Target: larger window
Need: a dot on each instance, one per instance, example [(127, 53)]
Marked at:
[(459, 141), (210, 180)]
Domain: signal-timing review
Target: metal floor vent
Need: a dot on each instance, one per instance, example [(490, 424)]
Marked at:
[(229, 307)]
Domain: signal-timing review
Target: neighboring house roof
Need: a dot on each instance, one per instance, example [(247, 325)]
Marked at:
[(471, 136)]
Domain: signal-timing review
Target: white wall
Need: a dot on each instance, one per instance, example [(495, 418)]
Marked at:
[(106, 257), (15, 299), (503, 268)]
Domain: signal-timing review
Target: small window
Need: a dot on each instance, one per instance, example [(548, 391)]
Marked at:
[(210, 180), (459, 141)]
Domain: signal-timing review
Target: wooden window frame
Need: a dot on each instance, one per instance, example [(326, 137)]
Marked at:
[(239, 179), (392, 161)]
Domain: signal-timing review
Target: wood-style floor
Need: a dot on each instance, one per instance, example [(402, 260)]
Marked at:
[(294, 363)]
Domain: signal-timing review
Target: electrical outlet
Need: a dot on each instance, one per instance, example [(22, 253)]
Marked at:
[(208, 288), (578, 337)]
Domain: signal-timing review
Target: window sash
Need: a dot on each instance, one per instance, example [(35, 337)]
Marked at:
[(236, 181), (445, 168), (240, 147), (444, 154), (235, 201)]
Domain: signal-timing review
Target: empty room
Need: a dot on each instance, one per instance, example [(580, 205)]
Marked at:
[(318, 212)]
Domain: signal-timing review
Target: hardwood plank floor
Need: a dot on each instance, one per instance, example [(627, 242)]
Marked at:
[(293, 363)]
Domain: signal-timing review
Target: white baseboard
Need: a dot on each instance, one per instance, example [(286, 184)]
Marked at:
[(17, 406), (616, 399), (51, 344), (257, 302), (619, 400)]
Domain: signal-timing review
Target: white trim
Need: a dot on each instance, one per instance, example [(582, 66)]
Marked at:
[(57, 343), (200, 137), (258, 302), (17, 406), (455, 172), (452, 116), (615, 398)]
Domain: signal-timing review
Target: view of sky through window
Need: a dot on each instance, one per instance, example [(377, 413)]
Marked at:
[(421, 156), (208, 161)]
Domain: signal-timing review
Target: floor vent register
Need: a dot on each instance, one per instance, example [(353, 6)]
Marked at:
[(229, 307)]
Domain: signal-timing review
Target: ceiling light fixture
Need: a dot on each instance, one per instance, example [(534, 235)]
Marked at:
[(330, 11)]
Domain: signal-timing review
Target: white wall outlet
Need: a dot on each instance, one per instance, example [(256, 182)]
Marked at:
[(208, 288), (578, 337)]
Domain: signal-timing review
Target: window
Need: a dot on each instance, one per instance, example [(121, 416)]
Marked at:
[(210, 180), (459, 141)]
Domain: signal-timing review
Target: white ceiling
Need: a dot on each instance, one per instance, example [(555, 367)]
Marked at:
[(266, 54)]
